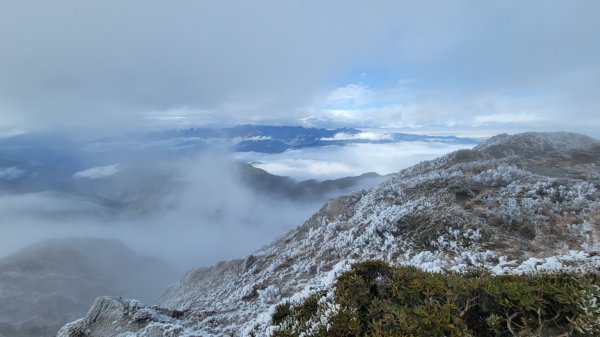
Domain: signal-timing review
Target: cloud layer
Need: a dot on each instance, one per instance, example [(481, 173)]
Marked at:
[(123, 65), (333, 162), (209, 216)]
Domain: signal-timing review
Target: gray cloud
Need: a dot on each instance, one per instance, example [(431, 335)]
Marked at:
[(113, 64)]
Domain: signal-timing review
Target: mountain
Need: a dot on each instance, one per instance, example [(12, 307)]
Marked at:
[(513, 204), (261, 138), (138, 188), (308, 190), (47, 284), (132, 173)]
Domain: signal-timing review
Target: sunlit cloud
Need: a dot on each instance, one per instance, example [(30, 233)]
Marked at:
[(371, 136), (98, 172), (331, 162)]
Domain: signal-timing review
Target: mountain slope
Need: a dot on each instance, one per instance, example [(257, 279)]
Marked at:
[(308, 190), (52, 282), (496, 206)]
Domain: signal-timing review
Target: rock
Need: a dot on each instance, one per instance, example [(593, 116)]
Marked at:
[(116, 316)]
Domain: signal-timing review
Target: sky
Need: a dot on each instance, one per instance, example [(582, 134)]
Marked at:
[(113, 66)]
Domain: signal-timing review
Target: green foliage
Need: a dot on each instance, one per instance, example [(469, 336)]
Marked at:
[(298, 317), (375, 299), (282, 311)]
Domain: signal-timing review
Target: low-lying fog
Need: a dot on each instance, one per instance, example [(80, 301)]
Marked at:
[(197, 213)]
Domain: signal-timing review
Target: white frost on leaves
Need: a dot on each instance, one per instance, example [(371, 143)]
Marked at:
[(573, 261)]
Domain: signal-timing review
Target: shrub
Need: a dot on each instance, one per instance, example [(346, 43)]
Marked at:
[(376, 299)]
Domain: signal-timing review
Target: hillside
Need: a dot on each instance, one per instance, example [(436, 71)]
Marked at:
[(513, 204), (47, 284)]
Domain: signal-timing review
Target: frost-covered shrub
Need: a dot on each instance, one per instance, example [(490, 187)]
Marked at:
[(376, 299), (302, 316)]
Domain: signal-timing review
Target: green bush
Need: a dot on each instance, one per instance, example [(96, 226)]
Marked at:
[(376, 299), (297, 317)]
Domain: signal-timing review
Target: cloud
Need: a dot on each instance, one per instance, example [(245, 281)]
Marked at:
[(351, 95), (111, 63), (414, 109), (205, 214), (114, 65), (332, 162), (98, 172), (372, 136), (237, 140), (10, 173), (507, 118)]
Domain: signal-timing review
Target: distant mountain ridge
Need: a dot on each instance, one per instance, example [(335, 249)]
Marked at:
[(279, 186), (492, 207), (271, 139), (33, 163)]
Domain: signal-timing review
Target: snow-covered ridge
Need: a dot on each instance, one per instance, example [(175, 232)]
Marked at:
[(502, 206)]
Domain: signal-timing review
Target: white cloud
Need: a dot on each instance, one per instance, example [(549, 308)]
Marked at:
[(332, 162), (372, 136), (11, 132), (98, 172), (508, 118), (410, 107), (350, 95), (306, 168), (237, 140), (31, 204), (10, 173)]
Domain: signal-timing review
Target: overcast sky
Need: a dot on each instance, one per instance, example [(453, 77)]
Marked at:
[(116, 65)]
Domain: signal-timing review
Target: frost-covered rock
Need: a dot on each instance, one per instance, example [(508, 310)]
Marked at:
[(116, 316), (519, 203)]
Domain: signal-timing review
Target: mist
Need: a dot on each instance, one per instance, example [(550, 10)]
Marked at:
[(204, 216)]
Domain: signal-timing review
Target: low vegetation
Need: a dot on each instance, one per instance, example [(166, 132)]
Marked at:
[(376, 299)]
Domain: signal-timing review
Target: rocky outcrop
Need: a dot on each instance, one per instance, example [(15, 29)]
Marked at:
[(512, 204), (115, 316)]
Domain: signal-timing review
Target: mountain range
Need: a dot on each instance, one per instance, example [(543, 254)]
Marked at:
[(265, 138), (132, 171), (513, 204)]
